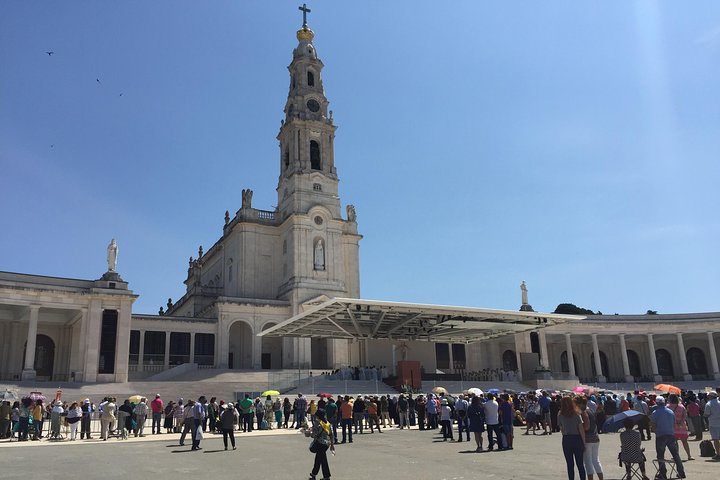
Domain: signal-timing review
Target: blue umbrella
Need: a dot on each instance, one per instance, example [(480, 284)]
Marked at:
[(615, 423), (493, 390)]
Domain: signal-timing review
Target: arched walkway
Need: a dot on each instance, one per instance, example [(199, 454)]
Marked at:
[(664, 362), (271, 351), (44, 356), (509, 361), (634, 363), (241, 343), (696, 362)]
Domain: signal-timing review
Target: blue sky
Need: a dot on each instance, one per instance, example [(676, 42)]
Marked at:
[(573, 145)]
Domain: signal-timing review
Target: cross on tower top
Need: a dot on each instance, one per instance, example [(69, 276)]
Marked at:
[(305, 11)]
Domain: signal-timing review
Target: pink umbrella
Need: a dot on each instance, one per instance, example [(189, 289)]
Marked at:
[(578, 390)]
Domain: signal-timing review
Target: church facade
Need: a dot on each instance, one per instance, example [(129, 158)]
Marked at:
[(268, 266)]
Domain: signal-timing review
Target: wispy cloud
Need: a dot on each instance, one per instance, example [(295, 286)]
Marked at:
[(711, 38)]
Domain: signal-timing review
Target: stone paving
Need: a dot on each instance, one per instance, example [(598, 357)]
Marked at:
[(283, 454)]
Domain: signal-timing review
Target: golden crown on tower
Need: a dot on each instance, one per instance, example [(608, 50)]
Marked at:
[(305, 35)]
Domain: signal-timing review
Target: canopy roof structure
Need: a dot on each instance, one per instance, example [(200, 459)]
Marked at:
[(353, 318)]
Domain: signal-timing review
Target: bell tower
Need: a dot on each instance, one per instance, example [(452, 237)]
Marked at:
[(307, 164)]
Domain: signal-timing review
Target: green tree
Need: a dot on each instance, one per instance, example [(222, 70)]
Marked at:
[(572, 309)]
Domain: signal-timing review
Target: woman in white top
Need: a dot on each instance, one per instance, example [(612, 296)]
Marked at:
[(74, 415)]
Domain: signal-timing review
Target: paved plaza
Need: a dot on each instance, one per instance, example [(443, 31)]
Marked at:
[(283, 454)]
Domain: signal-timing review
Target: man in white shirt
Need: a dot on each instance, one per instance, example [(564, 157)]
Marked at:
[(493, 422)]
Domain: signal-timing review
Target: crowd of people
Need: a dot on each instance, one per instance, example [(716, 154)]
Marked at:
[(579, 418)]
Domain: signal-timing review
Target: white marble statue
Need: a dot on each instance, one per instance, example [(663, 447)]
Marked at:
[(112, 252), (523, 289), (319, 256)]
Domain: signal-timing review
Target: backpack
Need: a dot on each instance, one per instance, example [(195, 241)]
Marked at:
[(707, 449)]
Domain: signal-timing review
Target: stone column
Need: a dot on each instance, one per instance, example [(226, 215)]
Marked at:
[(141, 352), (625, 363), (192, 347), (653, 359), (166, 361), (122, 343), (28, 372), (570, 358), (256, 352), (599, 374), (82, 345), (92, 341), (544, 358), (683, 358), (452, 362), (713, 356)]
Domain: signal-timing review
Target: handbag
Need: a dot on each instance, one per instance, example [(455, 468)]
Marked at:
[(313, 446)]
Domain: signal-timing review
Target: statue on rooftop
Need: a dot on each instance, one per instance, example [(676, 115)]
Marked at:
[(523, 290), (112, 252), (247, 198)]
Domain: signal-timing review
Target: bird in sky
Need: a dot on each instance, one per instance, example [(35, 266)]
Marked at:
[(120, 95), (50, 54), (97, 80)]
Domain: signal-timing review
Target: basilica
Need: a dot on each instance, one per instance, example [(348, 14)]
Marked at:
[(280, 289)]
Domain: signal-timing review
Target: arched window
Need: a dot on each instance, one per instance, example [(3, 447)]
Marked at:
[(696, 362), (315, 155), (664, 362), (311, 79), (286, 157), (634, 363), (509, 361)]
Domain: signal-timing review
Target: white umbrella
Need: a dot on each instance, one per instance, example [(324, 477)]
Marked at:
[(475, 391)]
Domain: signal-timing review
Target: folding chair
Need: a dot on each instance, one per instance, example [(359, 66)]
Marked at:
[(670, 469), (632, 469)]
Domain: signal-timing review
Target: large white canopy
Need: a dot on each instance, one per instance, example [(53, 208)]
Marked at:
[(353, 318)]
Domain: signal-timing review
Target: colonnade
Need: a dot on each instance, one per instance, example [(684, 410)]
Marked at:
[(713, 368)]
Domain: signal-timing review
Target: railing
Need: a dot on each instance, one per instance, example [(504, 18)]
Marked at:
[(266, 215)]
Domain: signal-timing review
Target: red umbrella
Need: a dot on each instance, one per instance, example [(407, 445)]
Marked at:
[(324, 395)]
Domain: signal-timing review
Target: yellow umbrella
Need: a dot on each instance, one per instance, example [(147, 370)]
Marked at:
[(135, 398), (439, 390), (269, 392)]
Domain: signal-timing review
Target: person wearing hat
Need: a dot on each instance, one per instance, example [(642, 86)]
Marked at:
[(228, 419), (446, 420), (87, 411), (662, 422), (712, 413)]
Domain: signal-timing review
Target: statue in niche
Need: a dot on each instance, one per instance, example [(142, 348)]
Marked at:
[(351, 215), (524, 290), (247, 198), (319, 262), (112, 253)]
